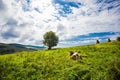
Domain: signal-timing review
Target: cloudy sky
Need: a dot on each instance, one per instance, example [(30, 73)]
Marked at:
[(76, 22)]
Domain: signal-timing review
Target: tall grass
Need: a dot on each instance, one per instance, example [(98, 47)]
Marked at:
[(100, 62)]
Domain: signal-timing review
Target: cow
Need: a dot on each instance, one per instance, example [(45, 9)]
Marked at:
[(75, 55)]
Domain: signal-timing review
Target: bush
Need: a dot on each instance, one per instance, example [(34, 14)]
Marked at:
[(118, 39), (109, 40), (97, 41)]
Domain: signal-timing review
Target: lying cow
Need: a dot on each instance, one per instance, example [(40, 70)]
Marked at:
[(75, 55)]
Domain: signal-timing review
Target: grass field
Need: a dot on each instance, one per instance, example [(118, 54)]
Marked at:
[(100, 62)]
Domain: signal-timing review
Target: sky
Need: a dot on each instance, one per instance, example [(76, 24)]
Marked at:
[(75, 22)]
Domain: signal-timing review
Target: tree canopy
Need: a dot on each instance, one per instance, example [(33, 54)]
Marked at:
[(50, 39)]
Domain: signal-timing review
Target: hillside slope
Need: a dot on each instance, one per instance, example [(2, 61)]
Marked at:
[(11, 48), (100, 62)]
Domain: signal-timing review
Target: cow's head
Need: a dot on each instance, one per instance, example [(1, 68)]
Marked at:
[(71, 53)]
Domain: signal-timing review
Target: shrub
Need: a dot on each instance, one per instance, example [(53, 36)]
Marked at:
[(118, 39), (109, 40), (97, 41)]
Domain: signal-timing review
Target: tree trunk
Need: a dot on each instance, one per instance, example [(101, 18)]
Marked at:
[(49, 48)]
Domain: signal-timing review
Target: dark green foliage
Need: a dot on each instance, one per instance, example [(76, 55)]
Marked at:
[(118, 39), (50, 39), (109, 40), (97, 41)]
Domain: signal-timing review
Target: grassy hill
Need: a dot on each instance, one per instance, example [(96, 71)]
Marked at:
[(100, 62), (12, 48)]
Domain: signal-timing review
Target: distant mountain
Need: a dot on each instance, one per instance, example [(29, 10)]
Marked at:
[(11, 48), (17, 45), (34, 47), (27, 46)]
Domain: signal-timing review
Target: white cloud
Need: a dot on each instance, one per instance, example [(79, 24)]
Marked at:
[(40, 16)]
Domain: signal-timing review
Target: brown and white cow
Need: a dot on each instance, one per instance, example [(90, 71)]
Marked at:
[(75, 55)]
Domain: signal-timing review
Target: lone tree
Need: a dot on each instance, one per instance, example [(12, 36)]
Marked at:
[(50, 39)]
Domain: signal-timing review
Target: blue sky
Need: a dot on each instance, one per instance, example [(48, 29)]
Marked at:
[(66, 6), (76, 22)]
